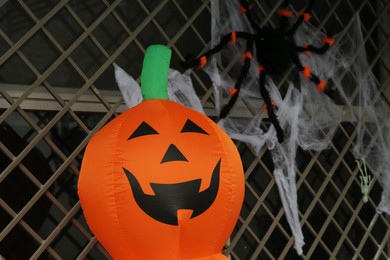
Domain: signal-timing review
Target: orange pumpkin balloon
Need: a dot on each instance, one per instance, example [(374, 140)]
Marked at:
[(161, 181)]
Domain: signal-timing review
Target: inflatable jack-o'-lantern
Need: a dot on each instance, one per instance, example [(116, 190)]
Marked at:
[(161, 181)]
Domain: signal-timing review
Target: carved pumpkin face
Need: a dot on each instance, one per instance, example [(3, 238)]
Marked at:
[(183, 191), (161, 181)]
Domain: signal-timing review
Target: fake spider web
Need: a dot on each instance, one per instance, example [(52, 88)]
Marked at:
[(308, 118), (370, 113), (180, 89)]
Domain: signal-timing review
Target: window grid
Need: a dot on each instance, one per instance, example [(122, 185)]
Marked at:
[(29, 82)]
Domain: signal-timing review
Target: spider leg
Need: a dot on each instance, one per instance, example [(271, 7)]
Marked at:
[(246, 8), (308, 49), (234, 92), (270, 109), (228, 38), (303, 16), (285, 14), (306, 72)]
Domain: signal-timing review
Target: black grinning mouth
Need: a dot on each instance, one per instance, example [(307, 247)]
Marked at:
[(169, 198)]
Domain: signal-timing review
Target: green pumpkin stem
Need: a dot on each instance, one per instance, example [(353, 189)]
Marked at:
[(155, 69)]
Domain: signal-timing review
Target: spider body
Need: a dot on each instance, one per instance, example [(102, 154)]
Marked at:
[(273, 51), (276, 52)]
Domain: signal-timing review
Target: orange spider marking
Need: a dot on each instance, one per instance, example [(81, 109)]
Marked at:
[(260, 69), (232, 91), (202, 61), (321, 86), (307, 52), (247, 55), (306, 16), (285, 12), (328, 40), (242, 9), (233, 37), (265, 106), (306, 72)]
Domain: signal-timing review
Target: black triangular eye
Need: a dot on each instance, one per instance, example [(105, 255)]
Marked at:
[(143, 129), (191, 127)]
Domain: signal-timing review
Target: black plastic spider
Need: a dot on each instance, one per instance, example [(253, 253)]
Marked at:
[(276, 51)]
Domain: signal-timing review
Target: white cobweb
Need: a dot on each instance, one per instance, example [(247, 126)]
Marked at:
[(308, 118), (370, 113), (180, 89)]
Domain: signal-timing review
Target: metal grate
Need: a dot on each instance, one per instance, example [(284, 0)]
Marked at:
[(57, 88)]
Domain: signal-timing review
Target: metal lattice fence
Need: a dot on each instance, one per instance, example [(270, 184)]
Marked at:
[(57, 88)]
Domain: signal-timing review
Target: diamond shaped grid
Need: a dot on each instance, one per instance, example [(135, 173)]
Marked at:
[(88, 57), (327, 182), (8, 75), (133, 14), (17, 190), (87, 11), (275, 241), (18, 244), (40, 9), (17, 133), (110, 34), (43, 217), (168, 19), (64, 28), (245, 246), (14, 22)]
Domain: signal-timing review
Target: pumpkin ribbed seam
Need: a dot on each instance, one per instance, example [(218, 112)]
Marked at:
[(230, 180), (115, 164)]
